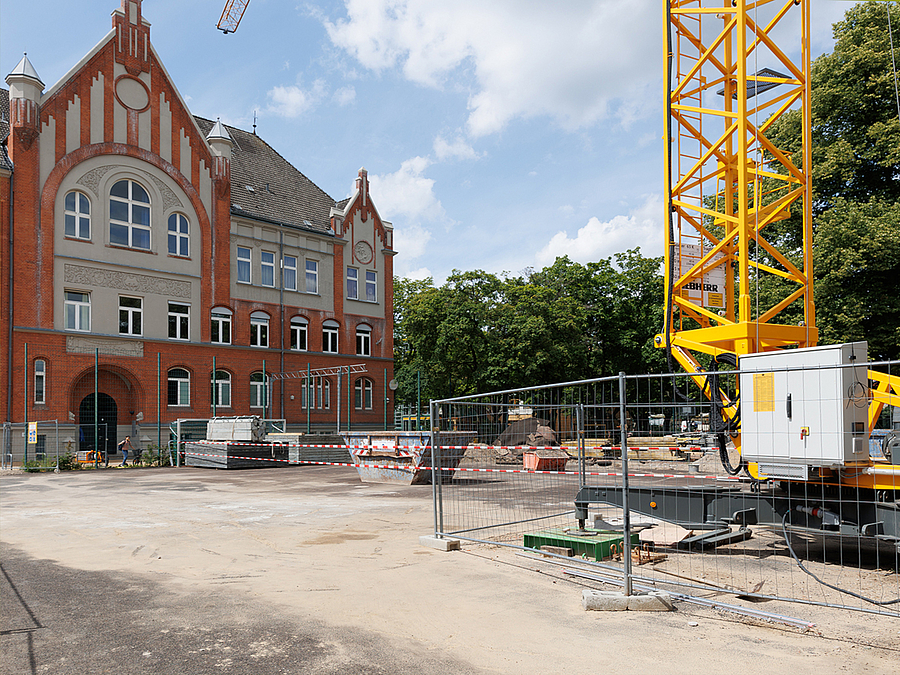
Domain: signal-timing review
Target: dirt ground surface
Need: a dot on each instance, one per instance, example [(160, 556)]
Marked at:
[(308, 570)]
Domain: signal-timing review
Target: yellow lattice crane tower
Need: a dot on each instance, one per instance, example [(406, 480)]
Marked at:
[(734, 68)]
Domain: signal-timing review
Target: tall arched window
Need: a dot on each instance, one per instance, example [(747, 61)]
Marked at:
[(330, 336), (179, 387), (220, 326), (259, 329), (221, 388), (78, 215), (319, 391), (259, 391), (363, 393), (129, 215), (40, 381), (299, 326), (363, 340), (179, 235)]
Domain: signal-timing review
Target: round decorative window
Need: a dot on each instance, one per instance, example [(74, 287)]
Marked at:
[(363, 252)]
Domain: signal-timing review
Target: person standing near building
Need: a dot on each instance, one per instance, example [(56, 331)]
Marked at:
[(123, 447)]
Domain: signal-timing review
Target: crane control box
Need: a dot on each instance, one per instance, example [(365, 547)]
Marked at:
[(805, 408)]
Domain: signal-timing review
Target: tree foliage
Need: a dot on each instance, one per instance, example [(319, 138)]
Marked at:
[(481, 332), (855, 130)]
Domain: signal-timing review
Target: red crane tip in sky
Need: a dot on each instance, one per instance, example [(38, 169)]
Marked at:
[(232, 15)]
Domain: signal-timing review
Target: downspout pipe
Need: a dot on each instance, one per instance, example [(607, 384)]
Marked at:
[(9, 341)]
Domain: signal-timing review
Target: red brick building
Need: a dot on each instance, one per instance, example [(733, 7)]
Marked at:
[(142, 248)]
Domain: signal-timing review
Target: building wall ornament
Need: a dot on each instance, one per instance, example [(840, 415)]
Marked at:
[(124, 281)]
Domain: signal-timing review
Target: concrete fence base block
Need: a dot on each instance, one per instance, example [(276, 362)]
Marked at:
[(441, 544), (616, 601)]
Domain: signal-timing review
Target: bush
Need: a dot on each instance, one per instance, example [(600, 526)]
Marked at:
[(69, 462), (38, 465), (153, 455)]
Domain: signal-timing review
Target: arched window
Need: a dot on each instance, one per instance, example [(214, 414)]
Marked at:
[(179, 387), (179, 235), (330, 336), (299, 326), (259, 329), (221, 388), (220, 326), (259, 391), (319, 391), (40, 381), (363, 393), (129, 215), (364, 340), (78, 215)]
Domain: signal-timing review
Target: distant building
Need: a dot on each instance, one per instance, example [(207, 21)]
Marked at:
[(139, 236)]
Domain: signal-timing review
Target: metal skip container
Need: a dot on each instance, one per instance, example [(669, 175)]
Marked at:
[(404, 456)]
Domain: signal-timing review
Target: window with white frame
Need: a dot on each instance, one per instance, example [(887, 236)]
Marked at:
[(179, 321), (319, 391), (352, 283), (220, 326), (364, 340), (259, 329), (363, 393), (259, 391), (221, 388), (131, 314), (267, 268), (243, 265), (129, 215), (312, 276), (179, 381), (78, 311), (40, 381), (179, 235), (371, 286), (330, 336), (299, 332), (78, 215), (290, 272)]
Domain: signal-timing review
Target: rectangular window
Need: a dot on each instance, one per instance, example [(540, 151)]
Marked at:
[(40, 381), (179, 387), (352, 283), (179, 321), (78, 311), (298, 336), (330, 340), (290, 273), (363, 342), (221, 389), (371, 287), (220, 330), (312, 276), (267, 268), (243, 265), (130, 315), (259, 332)]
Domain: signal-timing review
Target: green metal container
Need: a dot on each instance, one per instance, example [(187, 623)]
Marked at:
[(596, 545)]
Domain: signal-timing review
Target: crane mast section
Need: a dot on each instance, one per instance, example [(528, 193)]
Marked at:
[(731, 77), (232, 15)]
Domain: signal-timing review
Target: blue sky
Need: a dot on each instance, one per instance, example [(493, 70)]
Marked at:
[(497, 135)]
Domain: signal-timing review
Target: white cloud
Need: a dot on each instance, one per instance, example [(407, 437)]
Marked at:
[(596, 240), (407, 192), (292, 101), (345, 96), (419, 274), (456, 149), (576, 62)]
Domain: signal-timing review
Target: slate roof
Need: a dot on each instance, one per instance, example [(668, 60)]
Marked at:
[(266, 186), (5, 162)]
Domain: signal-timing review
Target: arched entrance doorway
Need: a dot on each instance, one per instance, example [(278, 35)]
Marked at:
[(107, 419)]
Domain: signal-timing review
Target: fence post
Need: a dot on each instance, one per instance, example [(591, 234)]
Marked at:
[(25, 455), (434, 440), (579, 431), (626, 513), (158, 397)]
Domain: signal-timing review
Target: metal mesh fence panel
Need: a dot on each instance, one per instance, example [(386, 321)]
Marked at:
[(794, 507)]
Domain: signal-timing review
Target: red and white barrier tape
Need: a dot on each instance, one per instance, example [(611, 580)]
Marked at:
[(455, 447), (409, 467)]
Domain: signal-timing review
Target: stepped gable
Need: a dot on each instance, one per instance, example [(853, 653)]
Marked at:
[(280, 193)]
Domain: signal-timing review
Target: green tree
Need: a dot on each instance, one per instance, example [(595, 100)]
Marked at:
[(855, 132)]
